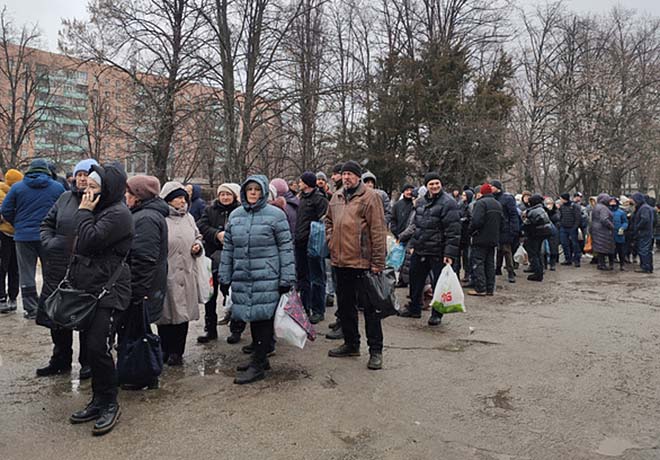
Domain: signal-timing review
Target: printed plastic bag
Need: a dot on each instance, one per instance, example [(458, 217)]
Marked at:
[(520, 256), (296, 310), (378, 293), (448, 294), (317, 246), (286, 327), (396, 256)]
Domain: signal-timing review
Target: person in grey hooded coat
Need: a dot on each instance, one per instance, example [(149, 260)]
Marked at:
[(369, 179), (257, 262), (602, 232)]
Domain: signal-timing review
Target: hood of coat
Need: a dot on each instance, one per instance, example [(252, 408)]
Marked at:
[(638, 198), (37, 180), (197, 192), (260, 180), (604, 199), (113, 187), (369, 176), (280, 202), (291, 199), (155, 203)]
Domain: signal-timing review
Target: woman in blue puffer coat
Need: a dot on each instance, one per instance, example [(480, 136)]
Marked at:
[(257, 262)]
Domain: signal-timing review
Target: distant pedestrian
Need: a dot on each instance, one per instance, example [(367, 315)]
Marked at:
[(642, 224), (484, 229)]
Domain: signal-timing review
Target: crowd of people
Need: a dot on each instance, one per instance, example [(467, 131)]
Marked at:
[(152, 241)]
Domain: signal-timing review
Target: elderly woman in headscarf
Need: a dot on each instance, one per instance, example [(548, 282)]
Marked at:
[(181, 298), (104, 230), (212, 226), (602, 232)]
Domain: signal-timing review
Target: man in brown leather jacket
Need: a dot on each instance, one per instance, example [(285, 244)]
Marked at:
[(356, 232)]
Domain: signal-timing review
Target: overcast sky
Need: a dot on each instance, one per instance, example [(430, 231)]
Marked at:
[(47, 13)]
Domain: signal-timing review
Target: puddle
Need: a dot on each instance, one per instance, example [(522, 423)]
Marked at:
[(614, 447), (500, 400)]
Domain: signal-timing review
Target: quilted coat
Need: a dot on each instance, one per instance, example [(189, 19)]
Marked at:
[(257, 258)]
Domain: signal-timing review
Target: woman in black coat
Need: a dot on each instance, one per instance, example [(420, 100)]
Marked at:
[(57, 234), (147, 259), (212, 227), (105, 232)]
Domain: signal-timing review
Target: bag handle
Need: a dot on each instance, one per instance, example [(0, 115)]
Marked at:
[(113, 279)]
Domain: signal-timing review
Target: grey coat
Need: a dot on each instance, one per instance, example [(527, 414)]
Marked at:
[(257, 259), (602, 226)]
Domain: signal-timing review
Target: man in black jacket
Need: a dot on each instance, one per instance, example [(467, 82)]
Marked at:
[(510, 229), (569, 221), (310, 271), (401, 211), (212, 226), (485, 229), (434, 235)]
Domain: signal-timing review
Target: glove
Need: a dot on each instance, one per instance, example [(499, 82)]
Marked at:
[(224, 288), (284, 289), (621, 232)]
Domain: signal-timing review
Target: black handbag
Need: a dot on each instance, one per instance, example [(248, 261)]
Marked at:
[(140, 359), (71, 308)]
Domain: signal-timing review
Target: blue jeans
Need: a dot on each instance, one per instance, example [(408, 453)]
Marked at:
[(645, 251), (310, 278), (570, 243)]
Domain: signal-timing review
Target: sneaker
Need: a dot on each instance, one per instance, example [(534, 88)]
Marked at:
[(344, 351), (512, 278), (475, 293), (375, 361), (30, 315)]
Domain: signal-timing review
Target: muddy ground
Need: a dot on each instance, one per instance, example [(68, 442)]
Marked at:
[(566, 369)]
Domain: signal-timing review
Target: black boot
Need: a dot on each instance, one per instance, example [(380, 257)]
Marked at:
[(244, 367), (234, 337), (336, 334), (85, 373), (53, 369), (535, 277), (375, 361), (344, 351), (107, 419), (254, 372), (211, 334), (89, 413)]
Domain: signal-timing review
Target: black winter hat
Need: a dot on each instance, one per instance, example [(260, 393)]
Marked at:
[(497, 184), (431, 175), (352, 167), (337, 168), (406, 187), (565, 196), (535, 199)]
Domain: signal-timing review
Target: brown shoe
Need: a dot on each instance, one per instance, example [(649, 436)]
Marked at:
[(477, 293)]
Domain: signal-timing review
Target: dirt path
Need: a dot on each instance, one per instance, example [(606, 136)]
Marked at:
[(566, 369)]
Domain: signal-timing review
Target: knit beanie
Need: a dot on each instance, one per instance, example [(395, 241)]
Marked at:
[(336, 169), (352, 167), (84, 165), (429, 176), (497, 184), (486, 189), (321, 175), (565, 197), (39, 166), (143, 187), (309, 178), (12, 176), (280, 186), (96, 178), (535, 199), (406, 187), (232, 188), (175, 194)]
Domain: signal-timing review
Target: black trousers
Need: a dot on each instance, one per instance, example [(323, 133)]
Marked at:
[(533, 248), (505, 254), (63, 348), (420, 268), (8, 268), (621, 252), (262, 337), (349, 282), (173, 338), (210, 308), (99, 339), (483, 268)]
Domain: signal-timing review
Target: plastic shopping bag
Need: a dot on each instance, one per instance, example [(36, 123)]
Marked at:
[(378, 293), (520, 256), (296, 310), (204, 275), (396, 256), (448, 294), (317, 245), (286, 327), (226, 305)]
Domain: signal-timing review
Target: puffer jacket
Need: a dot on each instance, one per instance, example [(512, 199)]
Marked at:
[(643, 218), (257, 258), (148, 256), (536, 222), (435, 226), (313, 206), (602, 226), (355, 229), (620, 222), (487, 221), (569, 215), (511, 227), (104, 240)]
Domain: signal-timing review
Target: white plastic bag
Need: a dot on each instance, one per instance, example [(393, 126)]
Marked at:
[(448, 295), (204, 276), (286, 328), (226, 307), (520, 256)]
